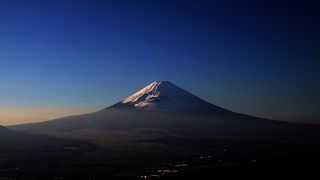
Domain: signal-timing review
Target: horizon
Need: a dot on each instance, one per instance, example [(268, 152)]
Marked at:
[(31, 119), (61, 58)]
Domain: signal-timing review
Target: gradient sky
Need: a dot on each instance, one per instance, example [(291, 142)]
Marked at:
[(67, 57)]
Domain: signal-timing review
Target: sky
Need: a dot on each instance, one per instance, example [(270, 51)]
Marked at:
[(66, 57)]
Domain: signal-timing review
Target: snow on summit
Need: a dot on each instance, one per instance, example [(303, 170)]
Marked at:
[(165, 96), (151, 89)]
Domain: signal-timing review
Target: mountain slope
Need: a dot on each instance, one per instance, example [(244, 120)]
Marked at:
[(5, 131), (161, 107), (159, 104), (163, 96), (14, 139)]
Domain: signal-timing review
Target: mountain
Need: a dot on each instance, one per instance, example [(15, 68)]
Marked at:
[(163, 96), (5, 131), (164, 109), (160, 123), (10, 139)]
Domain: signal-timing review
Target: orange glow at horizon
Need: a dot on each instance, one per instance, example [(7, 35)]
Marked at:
[(20, 115)]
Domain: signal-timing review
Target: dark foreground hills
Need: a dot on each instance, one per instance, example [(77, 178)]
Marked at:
[(161, 132)]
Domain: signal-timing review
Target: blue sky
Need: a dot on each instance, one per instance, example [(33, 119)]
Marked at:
[(67, 57)]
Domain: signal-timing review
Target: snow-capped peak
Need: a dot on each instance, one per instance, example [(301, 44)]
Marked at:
[(165, 96), (151, 90)]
